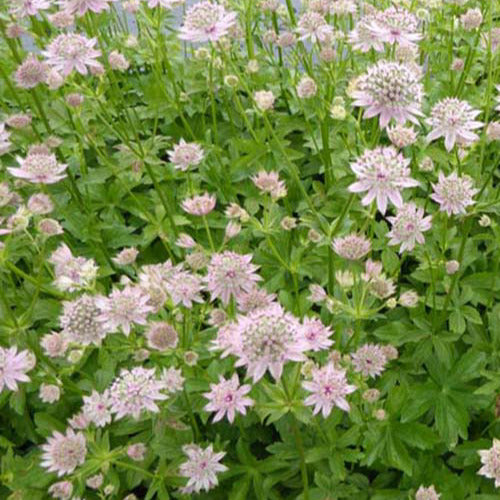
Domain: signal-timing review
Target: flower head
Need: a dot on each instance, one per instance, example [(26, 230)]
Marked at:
[(316, 335), (63, 453), (254, 299), (201, 468), (81, 7), (39, 167), (24, 8), (392, 90), (454, 120), (396, 25), (408, 226), (14, 366), (4, 139), (185, 155), (135, 391), (199, 205), (427, 493), (30, 73), (352, 247), (491, 462), (162, 336), (453, 193), (329, 388), (383, 173), (61, 490), (269, 182), (369, 360), (227, 397), (229, 274), (72, 51), (363, 37), (313, 26), (96, 408), (206, 22)]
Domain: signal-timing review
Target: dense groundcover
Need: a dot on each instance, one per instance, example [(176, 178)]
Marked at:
[(249, 249)]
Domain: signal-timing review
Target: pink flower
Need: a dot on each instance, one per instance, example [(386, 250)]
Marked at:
[(229, 274), (135, 391), (364, 37), (383, 173), (228, 397), (172, 380), (408, 226), (392, 90), (39, 167), (63, 453), (54, 344), (428, 493), (316, 334), (71, 51), (369, 360), (199, 205), (396, 25), (254, 299), (201, 468), (185, 155), (265, 339), (24, 8), (123, 308), (4, 139), (61, 490), (490, 460), (81, 7), (329, 388), (269, 182), (96, 408), (184, 287), (454, 120), (313, 26), (352, 247), (453, 193), (30, 73), (206, 22), (14, 366)]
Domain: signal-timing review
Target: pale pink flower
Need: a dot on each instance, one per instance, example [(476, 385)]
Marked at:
[(264, 99), (408, 226), (4, 139), (306, 88), (352, 247), (269, 182), (185, 155), (199, 205), (453, 193), (40, 204), (454, 120), (123, 309), (254, 299), (62, 19), (172, 380), (185, 241), (61, 490), (72, 51), (206, 22), (315, 334), (184, 287), (381, 286), (498, 98), (79, 421), (166, 4), (409, 299), (313, 26), (201, 468), (229, 274), (343, 7), (79, 321), (369, 360), (162, 336), (14, 366), (317, 293), (137, 451), (265, 339), (30, 73), (401, 136), (396, 25), (39, 167), (95, 482), (428, 493), (19, 120), (118, 61), (329, 388), (126, 256), (227, 397), (63, 453), (392, 90), (471, 19), (490, 460), (81, 7), (363, 37), (24, 8), (96, 408), (49, 393), (383, 173), (54, 344), (135, 391)]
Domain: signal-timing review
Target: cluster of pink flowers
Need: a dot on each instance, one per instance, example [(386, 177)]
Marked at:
[(39, 166), (72, 273)]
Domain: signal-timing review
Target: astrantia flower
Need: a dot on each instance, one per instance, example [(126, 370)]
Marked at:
[(14, 366), (264, 99), (408, 226), (72, 273), (201, 468), (369, 360), (4, 139), (166, 4), (230, 274), (381, 286), (254, 299), (39, 167), (491, 462), (54, 344), (49, 393), (316, 335), (199, 205), (390, 89), (172, 380), (396, 25), (227, 397), (135, 391), (185, 155), (343, 7), (30, 73), (206, 21), (352, 247), (313, 26), (383, 173), (96, 408), (453, 193), (124, 308), (24, 8), (329, 388), (269, 182), (306, 88), (80, 323), (63, 453), (428, 493), (498, 98), (184, 287), (401, 136), (454, 120), (363, 37), (71, 51), (81, 7), (265, 339), (161, 335), (126, 257)]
